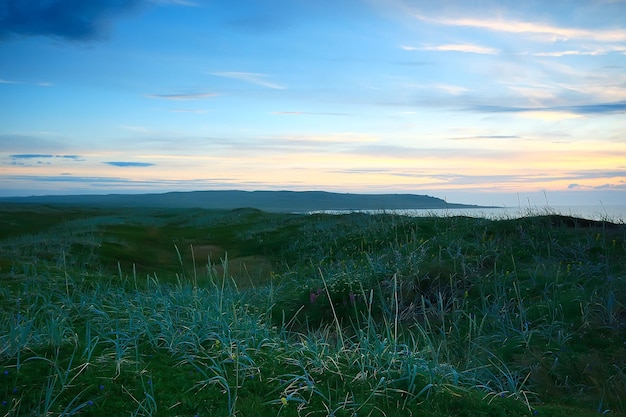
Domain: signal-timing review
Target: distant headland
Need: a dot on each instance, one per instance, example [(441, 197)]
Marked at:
[(274, 201)]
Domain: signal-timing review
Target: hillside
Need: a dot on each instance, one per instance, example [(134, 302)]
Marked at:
[(192, 312), (275, 201)]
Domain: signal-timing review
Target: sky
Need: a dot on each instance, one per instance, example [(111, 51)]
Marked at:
[(481, 102)]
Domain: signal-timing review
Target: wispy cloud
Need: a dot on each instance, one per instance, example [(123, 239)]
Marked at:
[(597, 173), (38, 84), (600, 108), (583, 52), (251, 77), (550, 115), (42, 155), (454, 90), (608, 186), (455, 47), (543, 31), (30, 156), (128, 164), (182, 96), (573, 111), (38, 159)]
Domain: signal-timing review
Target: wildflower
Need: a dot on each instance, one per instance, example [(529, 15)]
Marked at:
[(283, 400), (6, 372), (4, 403), (89, 402), (312, 298), (101, 387)]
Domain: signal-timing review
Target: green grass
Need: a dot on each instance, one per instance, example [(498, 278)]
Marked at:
[(221, 313)]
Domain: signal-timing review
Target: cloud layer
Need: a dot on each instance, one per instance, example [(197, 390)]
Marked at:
[(69, 19)]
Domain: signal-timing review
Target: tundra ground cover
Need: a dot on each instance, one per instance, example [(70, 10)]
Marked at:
[(111, 312)]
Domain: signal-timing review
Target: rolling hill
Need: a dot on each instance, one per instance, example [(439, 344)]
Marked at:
[(276, 201)]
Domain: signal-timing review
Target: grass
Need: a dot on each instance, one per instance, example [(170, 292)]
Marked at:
[(113, 312)]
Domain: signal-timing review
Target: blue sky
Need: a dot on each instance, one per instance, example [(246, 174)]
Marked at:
[(484, 102)]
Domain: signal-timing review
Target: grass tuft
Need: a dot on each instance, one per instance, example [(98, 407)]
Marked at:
[(110, 312)]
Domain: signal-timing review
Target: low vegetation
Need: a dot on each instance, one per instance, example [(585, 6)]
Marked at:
[(176, 312)]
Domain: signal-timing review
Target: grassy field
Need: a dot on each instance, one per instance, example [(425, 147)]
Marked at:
[(182, 312)]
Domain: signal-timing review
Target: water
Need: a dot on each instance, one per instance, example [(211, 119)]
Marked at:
[(612, 213)]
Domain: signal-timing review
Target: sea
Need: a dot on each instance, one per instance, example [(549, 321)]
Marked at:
[(611, 213)]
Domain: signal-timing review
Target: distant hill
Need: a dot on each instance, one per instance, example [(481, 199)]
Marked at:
[(277, 201)]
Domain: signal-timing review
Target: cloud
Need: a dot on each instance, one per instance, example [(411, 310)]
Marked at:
[(182, 96), (35, 159), (544, 32), (566, 53), (601, 108), (589, 174), (583, 52), (462, 47), (607, 186), (67, 19), (38, 84), (570, 111), (455, 90), (30, 156), (43, 155), (251, 77), (129, 164), (550, 115)]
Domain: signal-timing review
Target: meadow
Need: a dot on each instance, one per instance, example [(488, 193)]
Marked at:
[(190, 312)]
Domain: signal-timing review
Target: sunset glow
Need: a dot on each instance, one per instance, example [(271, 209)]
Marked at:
[(487, 103)]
